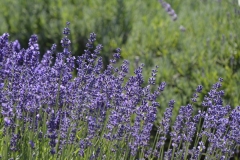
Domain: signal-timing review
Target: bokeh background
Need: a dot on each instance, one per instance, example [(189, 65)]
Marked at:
[(199, 47)]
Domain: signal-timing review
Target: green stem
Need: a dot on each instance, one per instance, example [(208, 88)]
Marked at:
[(186, 152), (173, 153)]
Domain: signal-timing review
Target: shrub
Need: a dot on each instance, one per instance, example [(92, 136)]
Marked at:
[(47, 113)]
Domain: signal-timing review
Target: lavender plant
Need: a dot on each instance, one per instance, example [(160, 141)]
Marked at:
[(47, 113), (168, 9)]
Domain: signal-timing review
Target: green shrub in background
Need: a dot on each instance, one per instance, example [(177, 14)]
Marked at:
[(111, 20), (202, 45)]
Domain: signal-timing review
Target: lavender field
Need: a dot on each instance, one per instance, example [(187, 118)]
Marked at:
[(170, 92), (47, 113)]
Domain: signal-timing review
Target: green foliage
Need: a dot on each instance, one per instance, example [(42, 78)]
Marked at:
[(111, 20), (206, 49)]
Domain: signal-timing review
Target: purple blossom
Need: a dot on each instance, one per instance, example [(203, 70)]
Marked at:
[(7, 121), (31, 143), (65, 41), (169, 10), (16, 46)]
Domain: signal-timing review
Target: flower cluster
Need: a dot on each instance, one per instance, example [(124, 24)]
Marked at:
[(37, 93), (168, 9), (100, 114)]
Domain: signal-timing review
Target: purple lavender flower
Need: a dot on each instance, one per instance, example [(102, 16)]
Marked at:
[(65, 41), (7, 121), (163, 129), (4, 40), (16, 46), (13, 142), (32, 144), (162, 86), (169, 10)]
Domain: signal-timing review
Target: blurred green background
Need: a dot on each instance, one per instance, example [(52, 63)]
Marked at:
[(198, 48)]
